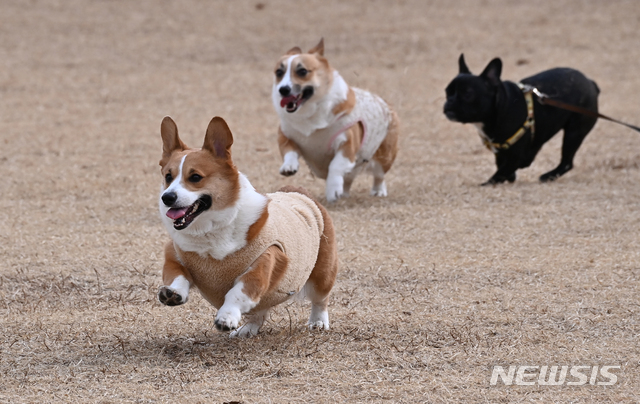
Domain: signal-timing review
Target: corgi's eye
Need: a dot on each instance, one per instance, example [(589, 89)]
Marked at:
[(279, 73), (168, 178), (302, 72), (195, 178)]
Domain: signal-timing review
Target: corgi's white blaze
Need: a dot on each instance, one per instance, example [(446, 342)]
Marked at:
[(286, 79), (291, 163), (236, 302), (219, 233), (338, 168), (185, 197)]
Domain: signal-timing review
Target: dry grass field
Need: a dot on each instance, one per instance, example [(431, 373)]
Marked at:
[(439, 282)]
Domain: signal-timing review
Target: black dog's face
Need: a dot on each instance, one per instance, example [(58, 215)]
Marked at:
[(472, 98)]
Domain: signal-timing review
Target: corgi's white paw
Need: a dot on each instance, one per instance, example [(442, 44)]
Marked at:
[(228, 318), (289, 169), (380, 190), (290, 165), (318, 325), (247, 330), (319, 319), (334, 189)]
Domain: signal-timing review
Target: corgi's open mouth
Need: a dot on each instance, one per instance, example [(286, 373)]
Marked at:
[(291, 103), (182, 217)]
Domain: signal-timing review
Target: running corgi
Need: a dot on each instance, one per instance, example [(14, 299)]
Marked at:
[(246, 252), (337, 129)]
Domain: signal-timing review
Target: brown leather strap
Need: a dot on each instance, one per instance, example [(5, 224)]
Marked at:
[(544, 99)]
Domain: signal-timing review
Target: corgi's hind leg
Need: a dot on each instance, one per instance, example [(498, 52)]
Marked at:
[(348, 181), (323, 276), (379, 187), (176, 279), (384, 157)]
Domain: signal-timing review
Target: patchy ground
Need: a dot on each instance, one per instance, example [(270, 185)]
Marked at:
[(439, 282)]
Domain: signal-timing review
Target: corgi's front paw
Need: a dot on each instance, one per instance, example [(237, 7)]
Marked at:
[(290, 165), (170, 297), (288, 169), (334, 189), (227, 319)]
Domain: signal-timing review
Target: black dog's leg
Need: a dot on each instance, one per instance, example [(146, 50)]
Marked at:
[(507, 166), (575, 131)]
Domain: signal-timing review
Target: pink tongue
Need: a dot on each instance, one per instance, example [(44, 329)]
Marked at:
[(175, 213), (287, 99)]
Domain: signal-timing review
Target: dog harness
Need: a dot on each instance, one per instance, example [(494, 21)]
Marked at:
[(295, 225), (529, 123)]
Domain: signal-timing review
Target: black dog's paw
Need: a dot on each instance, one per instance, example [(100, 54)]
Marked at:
[(499, 179), (169, 297), (548, 177), (556, 173)]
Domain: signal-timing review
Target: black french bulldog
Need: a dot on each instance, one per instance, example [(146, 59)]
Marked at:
[(499, 109)]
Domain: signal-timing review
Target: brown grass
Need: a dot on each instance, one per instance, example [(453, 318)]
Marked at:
[(439, 282)]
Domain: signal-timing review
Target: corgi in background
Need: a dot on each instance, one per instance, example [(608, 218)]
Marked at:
[(337, 129), (246, 252)]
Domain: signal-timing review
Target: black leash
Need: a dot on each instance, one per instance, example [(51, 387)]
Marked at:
[(544, 99)]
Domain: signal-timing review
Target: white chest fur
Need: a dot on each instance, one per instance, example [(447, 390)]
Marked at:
[(223, 232)]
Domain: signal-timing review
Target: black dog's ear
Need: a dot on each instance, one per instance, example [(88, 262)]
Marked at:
[(492, 72), (462, 66)]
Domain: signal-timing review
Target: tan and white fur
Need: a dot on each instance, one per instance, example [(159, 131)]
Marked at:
[(337, 129), (213, 214)]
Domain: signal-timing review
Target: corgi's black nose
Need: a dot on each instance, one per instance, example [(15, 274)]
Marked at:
[(284, 90), (169, 198)]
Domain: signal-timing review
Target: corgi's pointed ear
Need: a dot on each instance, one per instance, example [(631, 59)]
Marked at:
[(492, 72), (218, 139), (170, 140), (462, 65), (294, 51), (319, 48)]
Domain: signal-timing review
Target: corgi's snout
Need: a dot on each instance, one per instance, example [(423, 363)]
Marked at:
[(284, 90), (169, 198)]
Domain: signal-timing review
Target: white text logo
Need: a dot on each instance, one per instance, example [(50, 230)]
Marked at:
[(555, 375)]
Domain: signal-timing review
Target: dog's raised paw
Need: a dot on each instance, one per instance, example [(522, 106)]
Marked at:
[(170, 297), (288, 169)]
